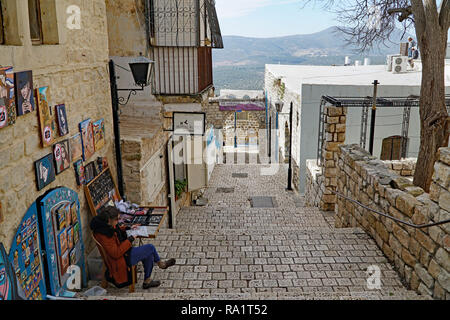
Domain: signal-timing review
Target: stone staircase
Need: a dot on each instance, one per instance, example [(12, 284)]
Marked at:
[(228, 250)]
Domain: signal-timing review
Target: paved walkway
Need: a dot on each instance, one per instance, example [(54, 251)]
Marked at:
[(229, 250)]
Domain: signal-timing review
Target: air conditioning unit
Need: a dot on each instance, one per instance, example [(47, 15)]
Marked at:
[(389, 61), (399, 64)]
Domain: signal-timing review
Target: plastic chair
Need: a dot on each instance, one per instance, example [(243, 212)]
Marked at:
[(105, 266)]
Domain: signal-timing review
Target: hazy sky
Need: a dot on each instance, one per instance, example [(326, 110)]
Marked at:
[(270, 18)]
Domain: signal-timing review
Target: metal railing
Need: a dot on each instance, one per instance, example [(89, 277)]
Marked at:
[(391, 217)]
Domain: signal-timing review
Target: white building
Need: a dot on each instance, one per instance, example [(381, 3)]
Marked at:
[(305, 85)]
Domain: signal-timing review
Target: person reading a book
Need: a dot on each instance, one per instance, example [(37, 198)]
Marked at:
[(120, 251)]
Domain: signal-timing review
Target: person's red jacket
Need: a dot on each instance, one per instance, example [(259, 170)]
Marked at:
[(115, 251)]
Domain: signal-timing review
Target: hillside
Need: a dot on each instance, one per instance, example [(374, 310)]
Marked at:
[(241, 63)]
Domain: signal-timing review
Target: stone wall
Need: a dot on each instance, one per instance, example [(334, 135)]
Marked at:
[(404, 167), (76, 71), (144, 140), (421, 256), (225, 119), (321, 177), (314, 184)]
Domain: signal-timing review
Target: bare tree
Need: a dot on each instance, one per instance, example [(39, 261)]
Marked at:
[(367, 23)]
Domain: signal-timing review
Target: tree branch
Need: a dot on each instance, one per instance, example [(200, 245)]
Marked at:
[(444, 14), (404, 13)]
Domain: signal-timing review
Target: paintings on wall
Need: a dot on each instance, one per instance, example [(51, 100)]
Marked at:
[(7, 97), (87, 136), (45, 171), (61, 153), (46, 119), (24, 92), (76, 147), (90, 172), (18, 97), (79, 172), (63, 126), (99, 134)]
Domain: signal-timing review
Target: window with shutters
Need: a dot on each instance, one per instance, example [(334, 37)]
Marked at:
[(34, 12), (2, 32)]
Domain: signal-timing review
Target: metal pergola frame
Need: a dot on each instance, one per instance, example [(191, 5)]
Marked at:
[(357, 102)]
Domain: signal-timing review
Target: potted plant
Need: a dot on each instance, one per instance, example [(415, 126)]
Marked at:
[(180, 187)]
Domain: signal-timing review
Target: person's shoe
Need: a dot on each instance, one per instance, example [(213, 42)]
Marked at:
[(168, 263), (152, 284)]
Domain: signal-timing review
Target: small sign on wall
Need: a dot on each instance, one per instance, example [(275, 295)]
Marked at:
[(189, 123)]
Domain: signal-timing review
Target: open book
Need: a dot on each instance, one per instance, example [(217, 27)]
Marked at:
[(142, 231)]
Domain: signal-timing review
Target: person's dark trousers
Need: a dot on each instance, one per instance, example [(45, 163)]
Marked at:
[(148, 255)]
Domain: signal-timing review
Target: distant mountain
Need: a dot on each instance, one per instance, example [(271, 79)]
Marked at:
[(330, 42), (241, 63)]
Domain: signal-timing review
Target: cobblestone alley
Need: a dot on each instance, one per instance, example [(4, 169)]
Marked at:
[(229, 250)]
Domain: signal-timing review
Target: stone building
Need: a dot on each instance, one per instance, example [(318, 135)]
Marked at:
[(241, 117), (181, 81), (68, 53), (305, 86), (279, 97)]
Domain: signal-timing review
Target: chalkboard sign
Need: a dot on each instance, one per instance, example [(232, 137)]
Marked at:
[(101, 191)]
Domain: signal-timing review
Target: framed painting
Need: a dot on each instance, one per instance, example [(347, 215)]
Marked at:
[(189, 123), (89, 172), (87, 137), (76, 147), (46, 118), (61, 116), (24, 92), (7, 97), (99, 134), (79, 172), (61, 154), (45, 171)]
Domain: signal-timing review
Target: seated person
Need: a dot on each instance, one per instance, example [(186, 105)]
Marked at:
[(120, 252)]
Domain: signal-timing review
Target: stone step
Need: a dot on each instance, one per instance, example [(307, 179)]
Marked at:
[(375, 295), (318, 232)]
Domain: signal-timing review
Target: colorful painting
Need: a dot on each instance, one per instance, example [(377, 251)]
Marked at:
[(76, 233), (62, 241), (24, 92), (70, 238), (45, 171), (7, 97), (99, 134), (61, 217), (76, 147), (61, 153), (46, 118), (73, 210), (64, 262), (89, 172), (61, 115), (67, 209), (79, 172), (87, 136)]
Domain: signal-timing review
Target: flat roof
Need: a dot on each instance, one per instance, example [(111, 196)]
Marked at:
[(226, 94), (295, 75)]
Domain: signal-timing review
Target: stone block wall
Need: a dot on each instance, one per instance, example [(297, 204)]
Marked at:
[(321, 178), (314, 183), (76, 71), (421, 256), (404, 167), (225, 119)]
